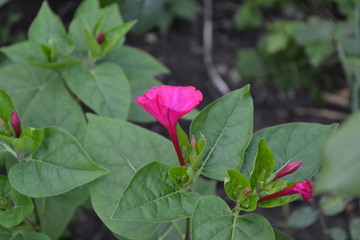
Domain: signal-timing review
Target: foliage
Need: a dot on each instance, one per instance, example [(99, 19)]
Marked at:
[(157, 13), (66, 71)]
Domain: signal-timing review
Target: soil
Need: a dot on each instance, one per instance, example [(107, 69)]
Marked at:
[(181, 50)]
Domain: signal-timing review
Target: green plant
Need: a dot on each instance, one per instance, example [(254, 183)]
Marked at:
[(87, 66)]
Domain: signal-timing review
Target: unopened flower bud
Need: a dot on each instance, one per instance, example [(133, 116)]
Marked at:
[(193, 142), (15, 122), (288, 169), (100, 38), (247, 192)]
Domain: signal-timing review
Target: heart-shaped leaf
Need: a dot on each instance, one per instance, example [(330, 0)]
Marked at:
[(123, 148), (60, 165), (152, 196), (213, 219), (227, 126), (104, 89)]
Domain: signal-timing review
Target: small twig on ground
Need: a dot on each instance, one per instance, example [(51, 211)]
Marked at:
[(323, 113), (215, 77)]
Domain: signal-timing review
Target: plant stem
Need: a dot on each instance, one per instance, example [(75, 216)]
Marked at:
[(37, 216), (322, 220), (178, 229), (187, 233)]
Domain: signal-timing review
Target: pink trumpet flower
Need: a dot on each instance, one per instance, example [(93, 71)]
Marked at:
[(304, 188), (288, 169), (15, 123), (169, 103)]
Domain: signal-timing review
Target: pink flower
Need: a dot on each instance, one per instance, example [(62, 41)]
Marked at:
[(15, 123), (288, 169), (167, 104), (304, 188)]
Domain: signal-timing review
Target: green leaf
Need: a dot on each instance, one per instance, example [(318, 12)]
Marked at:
[(41, 93), (205, 186), (355, 228), (135, 60), (247, 17), (212, 213), (227, 126), (104, 89), (263, 166), (47, 28), (342, 176), (29, 140), (123, 148), (289, 143), (59, 211), (333, 204), (167, 231), (276, 42), (64, 62), (53, 170), (338, 233), (152, 196), (145, 11), (281, 236), (235, 183), (87, 6), (318, 52), (19, 205), (302, 217), (20, 52), (114, 36), (21, 234)]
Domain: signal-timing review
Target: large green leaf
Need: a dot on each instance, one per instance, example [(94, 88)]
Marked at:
[(227, 126), (87, 6), (19, 205), (152, 196), (104, 89), (289, 143), (42, 99), (123, 148), (213, 219), (21, 234), (59, 210), (341, 154), (60, 165)]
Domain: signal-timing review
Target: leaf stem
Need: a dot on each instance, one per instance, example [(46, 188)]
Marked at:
[(37, 216), (187, 233), (178, 229)]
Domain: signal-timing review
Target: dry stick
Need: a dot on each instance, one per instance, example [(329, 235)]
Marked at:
[(215, 77)]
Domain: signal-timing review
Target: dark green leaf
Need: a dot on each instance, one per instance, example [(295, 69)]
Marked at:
[(6, 108), (152, 196), (338, 233), (250, 65), (355, 228), (248, 17), (281, 236), (332, 205), (186, 9), (21, 234), (227, 126), (87, 6), (289, 143), (123, 156), (213, 219), (114, 36), (60, 165)]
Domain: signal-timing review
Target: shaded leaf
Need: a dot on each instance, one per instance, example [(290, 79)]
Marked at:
[(302, 217)]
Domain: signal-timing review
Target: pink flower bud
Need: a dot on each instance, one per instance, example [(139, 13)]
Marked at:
[(304, 188), (15, 122), (288, 169), (193, 142), (167, 104), (100, 38)]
